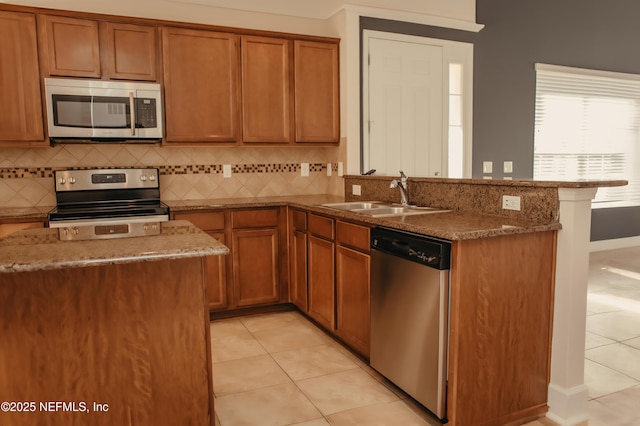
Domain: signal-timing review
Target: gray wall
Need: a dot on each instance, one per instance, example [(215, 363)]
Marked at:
[(518, 33)]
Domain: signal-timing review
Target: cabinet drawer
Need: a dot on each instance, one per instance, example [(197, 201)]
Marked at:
[(321, 226), (350, 234), (254, 218), (299, 220), (211, 221)]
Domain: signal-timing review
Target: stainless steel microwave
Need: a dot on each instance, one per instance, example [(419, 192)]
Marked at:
[(97, 110)]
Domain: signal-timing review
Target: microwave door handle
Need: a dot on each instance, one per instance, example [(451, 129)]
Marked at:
[(133, 114)]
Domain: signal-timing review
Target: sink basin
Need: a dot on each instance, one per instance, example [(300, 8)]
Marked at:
[(380, 209), (356, 205), (398, 211)]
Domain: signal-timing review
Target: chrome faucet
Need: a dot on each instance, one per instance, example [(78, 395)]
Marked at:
[(404, 189)]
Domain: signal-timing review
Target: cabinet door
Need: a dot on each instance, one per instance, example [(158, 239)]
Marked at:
[(267, 115), (321, 281), (215, 266), (20, 103), (216, 277), (70, 46), (352, 286), (298, 264), (255, 267), (130, 51), (317, 92), (201, 86)]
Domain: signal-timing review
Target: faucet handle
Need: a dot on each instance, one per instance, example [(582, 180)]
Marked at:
[(402, 175)]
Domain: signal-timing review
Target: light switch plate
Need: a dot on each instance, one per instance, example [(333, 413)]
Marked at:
[(487, 167), (356, 190), (304, 169), (508, 167), (329, 169), (340, 168), (226, 170)]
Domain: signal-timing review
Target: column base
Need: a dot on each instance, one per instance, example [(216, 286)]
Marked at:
[(568, 406)]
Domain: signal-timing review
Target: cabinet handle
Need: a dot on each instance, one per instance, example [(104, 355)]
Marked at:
[(133, 114)]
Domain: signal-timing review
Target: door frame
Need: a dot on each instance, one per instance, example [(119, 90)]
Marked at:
[(454, 52)]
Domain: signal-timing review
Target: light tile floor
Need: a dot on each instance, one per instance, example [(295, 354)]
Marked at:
[(612, 348), (279, 369)]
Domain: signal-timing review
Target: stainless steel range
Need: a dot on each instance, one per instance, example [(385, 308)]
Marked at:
[(107, 203)]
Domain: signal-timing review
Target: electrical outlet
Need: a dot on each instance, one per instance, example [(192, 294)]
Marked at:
[(356, 189), (226, 170), (329, 169), (487, 167), (511, 202), (340, 168), (304, 169)]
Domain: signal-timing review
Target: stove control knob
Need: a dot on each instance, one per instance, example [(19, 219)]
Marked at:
[(75, 231), (72, 180), (62, 181), (143, 178), (152, 177), (65, 231)]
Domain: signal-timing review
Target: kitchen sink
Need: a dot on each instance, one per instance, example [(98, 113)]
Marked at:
[(356, 205), (380, 209)]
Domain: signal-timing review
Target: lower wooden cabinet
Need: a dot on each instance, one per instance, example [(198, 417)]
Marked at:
[(298, 258), (329, 263), (255, 267), (216, 277), (352, 285), (215, 266), (321, 270), (321, 284), (251, 274)]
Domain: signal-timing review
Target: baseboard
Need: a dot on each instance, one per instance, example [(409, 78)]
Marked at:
[(617, 243), (568, 406)]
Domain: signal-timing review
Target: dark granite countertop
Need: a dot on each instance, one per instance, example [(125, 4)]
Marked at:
[(40, 249), (450, 225), (454, 225)]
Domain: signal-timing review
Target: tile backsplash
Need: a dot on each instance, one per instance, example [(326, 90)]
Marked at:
[(26, 174)]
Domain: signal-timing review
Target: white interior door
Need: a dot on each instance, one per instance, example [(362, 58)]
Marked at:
[(405, 108)]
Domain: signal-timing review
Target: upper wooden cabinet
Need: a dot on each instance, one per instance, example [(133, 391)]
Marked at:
[(73, 47), (21, 119), (70, 47), (201, 86), (317, 92), (267, 114), (130, 51)]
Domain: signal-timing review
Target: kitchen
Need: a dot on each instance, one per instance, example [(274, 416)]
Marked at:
[(254, 178)]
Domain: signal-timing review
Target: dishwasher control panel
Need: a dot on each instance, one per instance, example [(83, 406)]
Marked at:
[(418, 248)]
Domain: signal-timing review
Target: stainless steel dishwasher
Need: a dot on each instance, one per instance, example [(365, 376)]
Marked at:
[(409, 314)]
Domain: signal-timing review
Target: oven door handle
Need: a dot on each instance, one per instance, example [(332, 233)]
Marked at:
[(132, 113)]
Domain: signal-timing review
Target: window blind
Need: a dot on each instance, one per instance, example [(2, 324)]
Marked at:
[(587, 127)]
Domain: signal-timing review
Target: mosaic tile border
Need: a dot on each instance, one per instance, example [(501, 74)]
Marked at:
[(191, 169)]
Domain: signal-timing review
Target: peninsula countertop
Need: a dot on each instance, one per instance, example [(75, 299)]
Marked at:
[(41, 249), (451, 225)]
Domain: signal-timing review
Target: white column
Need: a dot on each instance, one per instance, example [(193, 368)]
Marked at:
[(568, 395)]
